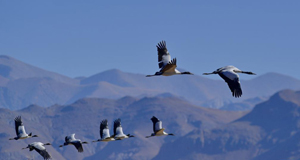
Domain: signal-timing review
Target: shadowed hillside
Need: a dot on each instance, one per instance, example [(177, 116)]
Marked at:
[(270, 131), (83, 118)]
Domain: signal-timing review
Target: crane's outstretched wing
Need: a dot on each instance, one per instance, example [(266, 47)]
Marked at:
[(117, 127), (157, 124), (164, 56), (44, 154), (42, 151), (39, 147), (170, 67), (234, 85), (78, 146), (20, 129), (66, 139), (104, 131)]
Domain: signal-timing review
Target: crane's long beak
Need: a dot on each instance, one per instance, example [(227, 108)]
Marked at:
[(248, 72)]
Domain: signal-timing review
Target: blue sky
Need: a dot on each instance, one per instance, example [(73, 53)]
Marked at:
[(82, 38)]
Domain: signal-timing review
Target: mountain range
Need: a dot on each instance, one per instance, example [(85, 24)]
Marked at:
[(22, 84), (83, 118), (270, 131)]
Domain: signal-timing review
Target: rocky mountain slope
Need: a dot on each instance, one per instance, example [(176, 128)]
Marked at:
[(270, 131), (83, 117)]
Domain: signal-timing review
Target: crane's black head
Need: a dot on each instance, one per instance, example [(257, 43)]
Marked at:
[(187, 73), (171, 134), (47, 144), (129, 135), (35, 136), (26, 147), (97, 140)]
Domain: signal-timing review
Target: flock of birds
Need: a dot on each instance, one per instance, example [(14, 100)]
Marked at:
[(71, 140), (167, 68)]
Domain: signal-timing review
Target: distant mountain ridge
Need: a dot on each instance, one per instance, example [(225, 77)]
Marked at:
[(22, 84), (13, 69)]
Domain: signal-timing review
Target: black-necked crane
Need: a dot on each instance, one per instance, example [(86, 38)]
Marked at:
[(157, 128), (118, 131), (166, 65), (104, 132), (71, 140), (20, 130), (39, 147), (229, 74)]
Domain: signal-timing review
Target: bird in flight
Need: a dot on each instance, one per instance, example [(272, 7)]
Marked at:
[(157, 128), (104, 132), (71, 140), (20, 130), (229, 74), (39, 147), (166, 65), (118, 131)]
